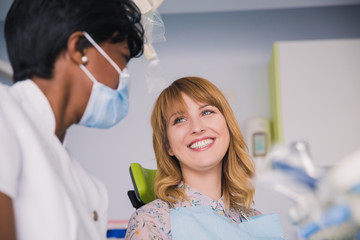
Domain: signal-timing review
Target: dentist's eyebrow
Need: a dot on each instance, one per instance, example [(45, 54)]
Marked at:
[(127, 57), (126, 53)]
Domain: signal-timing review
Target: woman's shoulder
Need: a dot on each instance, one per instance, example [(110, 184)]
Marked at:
[(253, 212), (151, 221), (155, 209), (236, 214), (157, 203)]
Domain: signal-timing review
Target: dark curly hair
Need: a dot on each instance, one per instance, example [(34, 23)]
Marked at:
[(37, 31)]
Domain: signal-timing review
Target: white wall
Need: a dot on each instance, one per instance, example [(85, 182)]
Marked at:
[(230, 49), (330, 123)]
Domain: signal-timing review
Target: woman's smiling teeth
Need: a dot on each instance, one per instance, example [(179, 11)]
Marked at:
[(201, 144)]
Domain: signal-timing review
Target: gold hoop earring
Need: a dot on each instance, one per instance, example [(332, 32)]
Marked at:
[(84, 59)]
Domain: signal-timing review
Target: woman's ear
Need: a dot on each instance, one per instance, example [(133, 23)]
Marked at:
[(73, 47), (170, 152)]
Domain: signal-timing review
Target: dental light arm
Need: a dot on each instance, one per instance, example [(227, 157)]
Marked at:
[(152, 22), (154, 32)]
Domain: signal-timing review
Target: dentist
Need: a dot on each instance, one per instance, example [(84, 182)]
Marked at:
[(69, 59)]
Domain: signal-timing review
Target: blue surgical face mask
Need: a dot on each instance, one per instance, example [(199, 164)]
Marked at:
[(106, 106)]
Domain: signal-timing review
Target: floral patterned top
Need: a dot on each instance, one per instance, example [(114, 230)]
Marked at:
[(152, 221)]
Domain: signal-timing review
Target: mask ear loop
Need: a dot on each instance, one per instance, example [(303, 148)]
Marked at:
[(124, 79), (92, 78), (89, 38)]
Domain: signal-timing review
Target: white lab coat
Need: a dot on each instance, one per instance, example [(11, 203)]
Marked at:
[(53, 196)]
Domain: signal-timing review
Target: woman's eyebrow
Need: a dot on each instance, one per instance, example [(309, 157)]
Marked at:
[(176, 113), (173, 115), (204, 106)]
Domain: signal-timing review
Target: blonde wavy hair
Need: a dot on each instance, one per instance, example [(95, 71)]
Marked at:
[(237, 168)]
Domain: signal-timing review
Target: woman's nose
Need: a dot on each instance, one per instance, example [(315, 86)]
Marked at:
[(197, 126)]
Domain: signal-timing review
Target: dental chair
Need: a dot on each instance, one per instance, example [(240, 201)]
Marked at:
[(143, 181)]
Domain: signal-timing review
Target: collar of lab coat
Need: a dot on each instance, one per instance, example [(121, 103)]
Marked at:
[(34, 102)]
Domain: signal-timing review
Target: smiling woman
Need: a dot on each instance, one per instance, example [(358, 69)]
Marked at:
[(204, 180), (199, 138)]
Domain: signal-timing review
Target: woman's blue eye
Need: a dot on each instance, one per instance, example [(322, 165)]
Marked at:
[(207, 112), (178, 120)]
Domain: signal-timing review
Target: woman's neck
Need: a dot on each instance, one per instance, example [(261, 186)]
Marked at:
[(208, 184)]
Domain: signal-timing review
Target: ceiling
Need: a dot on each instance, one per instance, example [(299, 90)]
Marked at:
[(199, 6)]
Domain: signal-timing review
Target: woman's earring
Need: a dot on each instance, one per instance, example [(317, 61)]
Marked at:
[(84, 59)]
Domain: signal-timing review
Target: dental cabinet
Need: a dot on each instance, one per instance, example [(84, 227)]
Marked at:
[(315, 96)]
